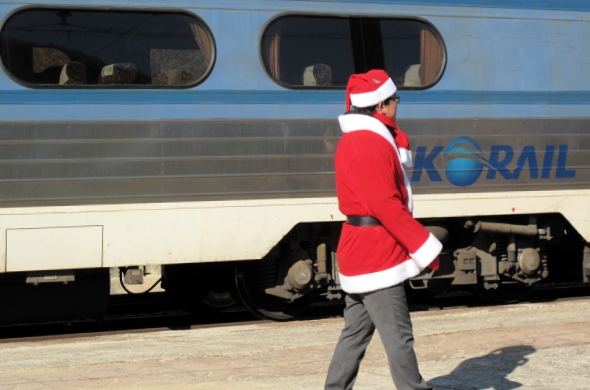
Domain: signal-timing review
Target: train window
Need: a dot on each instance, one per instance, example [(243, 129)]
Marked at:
[(412, 53), (86, 48), (309, 51), (322, 52)]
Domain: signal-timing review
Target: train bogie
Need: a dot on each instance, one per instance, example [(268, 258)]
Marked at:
[(502, 257)]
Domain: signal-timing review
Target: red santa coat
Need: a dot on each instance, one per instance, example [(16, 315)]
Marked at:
[(371, 181)]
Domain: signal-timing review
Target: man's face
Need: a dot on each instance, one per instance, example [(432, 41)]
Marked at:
[(389, 110)]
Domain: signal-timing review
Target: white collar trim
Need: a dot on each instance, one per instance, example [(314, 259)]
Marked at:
[(355, 122)]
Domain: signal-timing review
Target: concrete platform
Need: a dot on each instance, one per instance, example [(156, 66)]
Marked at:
[(530, 346)]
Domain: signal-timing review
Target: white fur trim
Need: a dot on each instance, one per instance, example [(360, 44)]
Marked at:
[(379, 280), (355, 122), (409, 191), (427, 252), (368, 99), (406, 157), (404, 153)]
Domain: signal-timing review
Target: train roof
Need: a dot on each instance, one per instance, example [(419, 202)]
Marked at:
[(566, 5), (561, 5)]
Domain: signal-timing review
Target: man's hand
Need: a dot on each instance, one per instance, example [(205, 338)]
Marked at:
[(434, 265)]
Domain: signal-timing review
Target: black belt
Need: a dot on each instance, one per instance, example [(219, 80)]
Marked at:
[(363, 221)]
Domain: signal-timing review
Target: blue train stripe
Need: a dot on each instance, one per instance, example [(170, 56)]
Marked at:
[(297, 97)]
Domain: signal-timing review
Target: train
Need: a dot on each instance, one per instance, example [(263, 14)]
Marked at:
[(192, 142)]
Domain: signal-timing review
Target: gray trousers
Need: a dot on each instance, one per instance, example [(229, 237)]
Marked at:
[(387, 310)]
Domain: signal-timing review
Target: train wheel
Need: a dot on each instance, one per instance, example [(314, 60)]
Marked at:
[(439, 286), (417, 293), (506, 292), (259, 303), (199, 288)]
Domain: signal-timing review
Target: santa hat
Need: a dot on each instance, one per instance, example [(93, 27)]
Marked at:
[(368, 89)]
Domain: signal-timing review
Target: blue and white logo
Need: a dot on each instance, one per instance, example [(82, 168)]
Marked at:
[(466, 162)]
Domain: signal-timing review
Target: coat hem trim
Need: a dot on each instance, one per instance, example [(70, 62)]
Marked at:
[(379, 280)]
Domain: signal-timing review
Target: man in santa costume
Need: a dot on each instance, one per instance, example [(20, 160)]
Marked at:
[(381, 244)]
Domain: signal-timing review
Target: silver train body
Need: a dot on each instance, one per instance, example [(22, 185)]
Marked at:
[(223, 173)]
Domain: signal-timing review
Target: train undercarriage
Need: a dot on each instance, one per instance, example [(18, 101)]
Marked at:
[(502, 258)]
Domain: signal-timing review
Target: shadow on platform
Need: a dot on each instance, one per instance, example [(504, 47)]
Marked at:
[(487, 372)]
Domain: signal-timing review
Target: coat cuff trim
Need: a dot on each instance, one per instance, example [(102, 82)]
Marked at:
[(427, 252), (379, 280)]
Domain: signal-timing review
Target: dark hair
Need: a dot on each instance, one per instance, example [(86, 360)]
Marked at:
[(388, 100), (371, 109), (363, 110)]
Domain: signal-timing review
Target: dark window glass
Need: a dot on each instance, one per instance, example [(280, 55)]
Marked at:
[(106, 48), (309, 51), (322, 52), (412, 53)]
